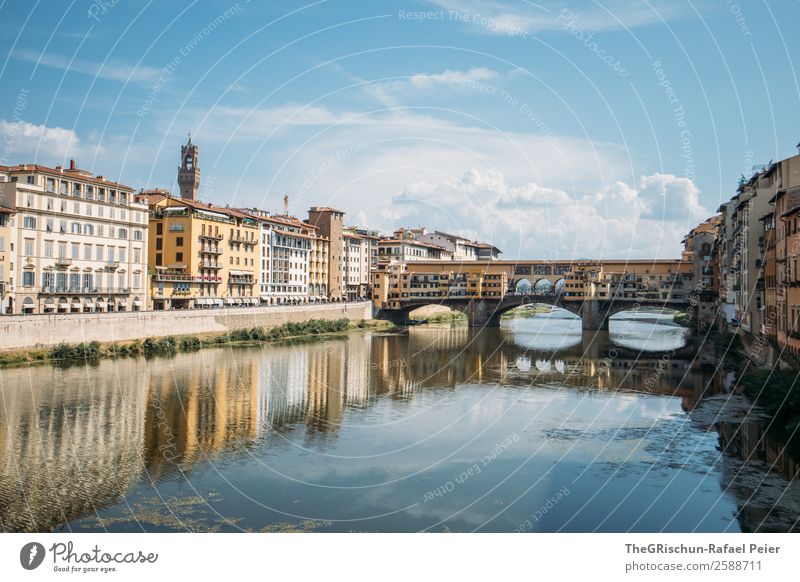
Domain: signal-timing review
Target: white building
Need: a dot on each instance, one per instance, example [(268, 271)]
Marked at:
[(285, 246), (396, 250), (80, 241)]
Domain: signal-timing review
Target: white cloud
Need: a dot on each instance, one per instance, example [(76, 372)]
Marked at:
[(530, 221), (114, 69), (23, 140), (507, 18)]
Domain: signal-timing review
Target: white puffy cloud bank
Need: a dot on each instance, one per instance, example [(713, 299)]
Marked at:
[(645, 220)]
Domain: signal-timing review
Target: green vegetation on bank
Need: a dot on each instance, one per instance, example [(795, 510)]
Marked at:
[(444, 317), (682, 318), (526, 311), (68, 354), (778, 393)]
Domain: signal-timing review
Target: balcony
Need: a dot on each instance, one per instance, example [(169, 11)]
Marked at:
[(63, 262), (210, 265), (175, 277), (234, 280), (241, 240), (69, 290), (210, 236), (112, 265), (210, 251)]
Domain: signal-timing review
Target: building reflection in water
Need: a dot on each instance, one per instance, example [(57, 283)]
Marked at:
[(73, 441)]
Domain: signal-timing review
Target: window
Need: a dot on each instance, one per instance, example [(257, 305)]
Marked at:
[(176, 227), (160, 228), (121, 281), (31, 180), (87, 252), (51, 185), (112, 213), (123, 233), (137, 255), (98, 255), (88, 229), (76, 249), (2, 245), (123, 254), (77, 190), (88, 210), (123, 215), (29, 222), (88, 281), (111, 254), (75, 228), (29, 200), (158, 259), (136, 280), (90, 192), (101, 194), (179, 257), (28, 278), (62, 226), (28, 247), (112, 196), (159, 244), (137, 235), (64, 187), (100, 211), (48, 249), (49, 225), (179, 241)]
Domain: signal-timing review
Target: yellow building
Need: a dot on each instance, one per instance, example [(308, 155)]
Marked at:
[(200, 255), (5, 257)]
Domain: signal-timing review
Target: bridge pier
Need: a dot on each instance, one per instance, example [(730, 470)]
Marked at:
[(594, 315)]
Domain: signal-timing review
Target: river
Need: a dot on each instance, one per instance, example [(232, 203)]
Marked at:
[(535, 426)]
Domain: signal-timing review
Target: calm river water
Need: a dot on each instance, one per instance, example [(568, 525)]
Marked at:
[(535, 426)]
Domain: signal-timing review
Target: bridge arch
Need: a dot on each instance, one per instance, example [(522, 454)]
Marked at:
[(524, 286), (543, 286)]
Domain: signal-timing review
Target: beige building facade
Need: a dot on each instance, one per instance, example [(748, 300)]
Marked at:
[(79, 242)]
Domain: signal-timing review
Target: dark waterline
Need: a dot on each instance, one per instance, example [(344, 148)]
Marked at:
[(536, 426)]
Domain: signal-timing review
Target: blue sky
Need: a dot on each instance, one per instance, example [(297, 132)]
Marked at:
[(552, 129)]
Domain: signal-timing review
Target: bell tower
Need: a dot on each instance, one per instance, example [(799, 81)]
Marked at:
[(189, 172)]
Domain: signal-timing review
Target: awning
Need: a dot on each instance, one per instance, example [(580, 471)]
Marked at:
[(229, 301), (101, 306), (218, 302), (88, 302), (236, 273), (123, 301), (201, 301), (255, 300), (137, 303), (238, 300)]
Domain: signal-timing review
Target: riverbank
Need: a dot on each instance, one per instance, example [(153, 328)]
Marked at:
[(18, 332), (70, 354)]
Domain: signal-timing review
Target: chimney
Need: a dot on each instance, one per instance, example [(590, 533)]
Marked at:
[(72, 164), (286, 204)]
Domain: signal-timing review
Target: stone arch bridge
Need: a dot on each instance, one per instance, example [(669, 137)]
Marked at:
[(594, 313)]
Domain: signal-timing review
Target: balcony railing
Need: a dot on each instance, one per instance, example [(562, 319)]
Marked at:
[(241, 280), (178, 277), (210, 251), (211, 236), (70, 290), (63, 262), (210, 265)]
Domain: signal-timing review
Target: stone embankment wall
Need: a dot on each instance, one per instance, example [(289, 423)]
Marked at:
[(26, 331)]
